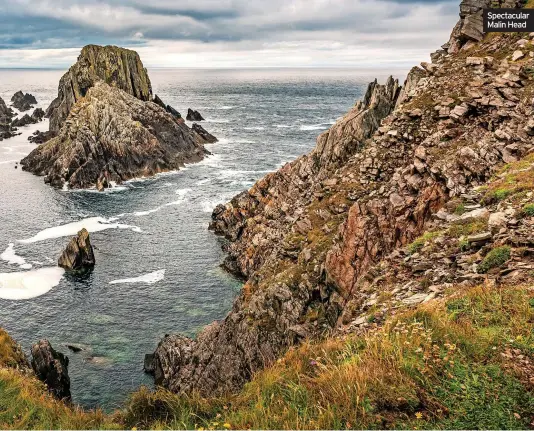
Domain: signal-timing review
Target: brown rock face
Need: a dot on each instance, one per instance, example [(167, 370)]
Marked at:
[(79, 254), (51, 367), (113, 136), (118, 67)]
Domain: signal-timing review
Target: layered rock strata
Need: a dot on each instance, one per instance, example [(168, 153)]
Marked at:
[(317, 240)]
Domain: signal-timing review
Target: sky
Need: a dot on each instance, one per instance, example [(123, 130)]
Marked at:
[(228, 33)]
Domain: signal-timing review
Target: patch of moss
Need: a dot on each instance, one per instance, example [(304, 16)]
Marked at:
[(495, 258), (529, 210), (420, 242)]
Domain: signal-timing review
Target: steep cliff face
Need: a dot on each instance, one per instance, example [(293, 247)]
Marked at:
[(316, 239), (118, 67), (111, 136)]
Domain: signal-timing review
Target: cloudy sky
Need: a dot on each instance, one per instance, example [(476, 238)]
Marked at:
[(228, 33)]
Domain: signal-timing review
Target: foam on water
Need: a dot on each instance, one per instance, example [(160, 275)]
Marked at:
[(29, 284), (12, 258), (150, 278), (92, 224)]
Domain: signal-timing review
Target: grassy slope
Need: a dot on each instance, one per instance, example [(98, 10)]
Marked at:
[(448, 365)]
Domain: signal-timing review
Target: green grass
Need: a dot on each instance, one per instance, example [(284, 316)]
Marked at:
[(529, 210), (438, 367), (494, 259), (420, 242)]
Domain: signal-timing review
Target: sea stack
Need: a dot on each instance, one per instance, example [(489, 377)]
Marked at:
[(108, 128), (79, 254)]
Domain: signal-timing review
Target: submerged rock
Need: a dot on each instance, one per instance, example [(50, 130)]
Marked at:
[(193, 115), (51, 367), (23, 102), (79, 254), (113, 136)]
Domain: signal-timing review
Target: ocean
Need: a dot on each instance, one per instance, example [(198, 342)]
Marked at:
[(158, 267)]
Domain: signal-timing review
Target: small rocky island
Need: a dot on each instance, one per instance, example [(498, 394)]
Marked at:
[(106, 127)]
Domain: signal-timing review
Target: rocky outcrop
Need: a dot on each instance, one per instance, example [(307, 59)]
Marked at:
[(23, 102), (118, 67), (79, 254), (317, 240), (193, 115), (470, 26), (111, 136), (105, 129), (168, 108), (36, 117), (51, 368), (204, 134), (39, 137), (264, 323), (6, 114)]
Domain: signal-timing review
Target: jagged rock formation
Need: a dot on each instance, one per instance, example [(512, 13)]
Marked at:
[(317, 240), (51, 367), (23, 102), (208, 137), (6, 114), (36, 117), (469, 28), (113, 136), (193, 115), (79, 254), (39, 137), (168, 108), (118, 67), (259, 328), (104, 128)]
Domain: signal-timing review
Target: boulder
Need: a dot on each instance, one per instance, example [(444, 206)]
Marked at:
[(193, 115), (118, 67), (52, 368), (79, 254)]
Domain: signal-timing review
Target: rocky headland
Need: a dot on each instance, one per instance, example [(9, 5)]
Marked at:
[(105, 127), (399, 201)]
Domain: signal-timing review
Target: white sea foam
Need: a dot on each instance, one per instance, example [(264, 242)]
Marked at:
[(29, 284), (225, 107), (216, 120), (12, 258), (144, 213), (283, 126), (313, 127), (92, 224), (150, 278), (254, 128)]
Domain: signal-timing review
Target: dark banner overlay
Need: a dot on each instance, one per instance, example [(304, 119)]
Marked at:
[(508, 20)]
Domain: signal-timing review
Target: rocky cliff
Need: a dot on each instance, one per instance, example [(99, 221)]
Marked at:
[(105, 128), (118, 67), (337, 237)]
